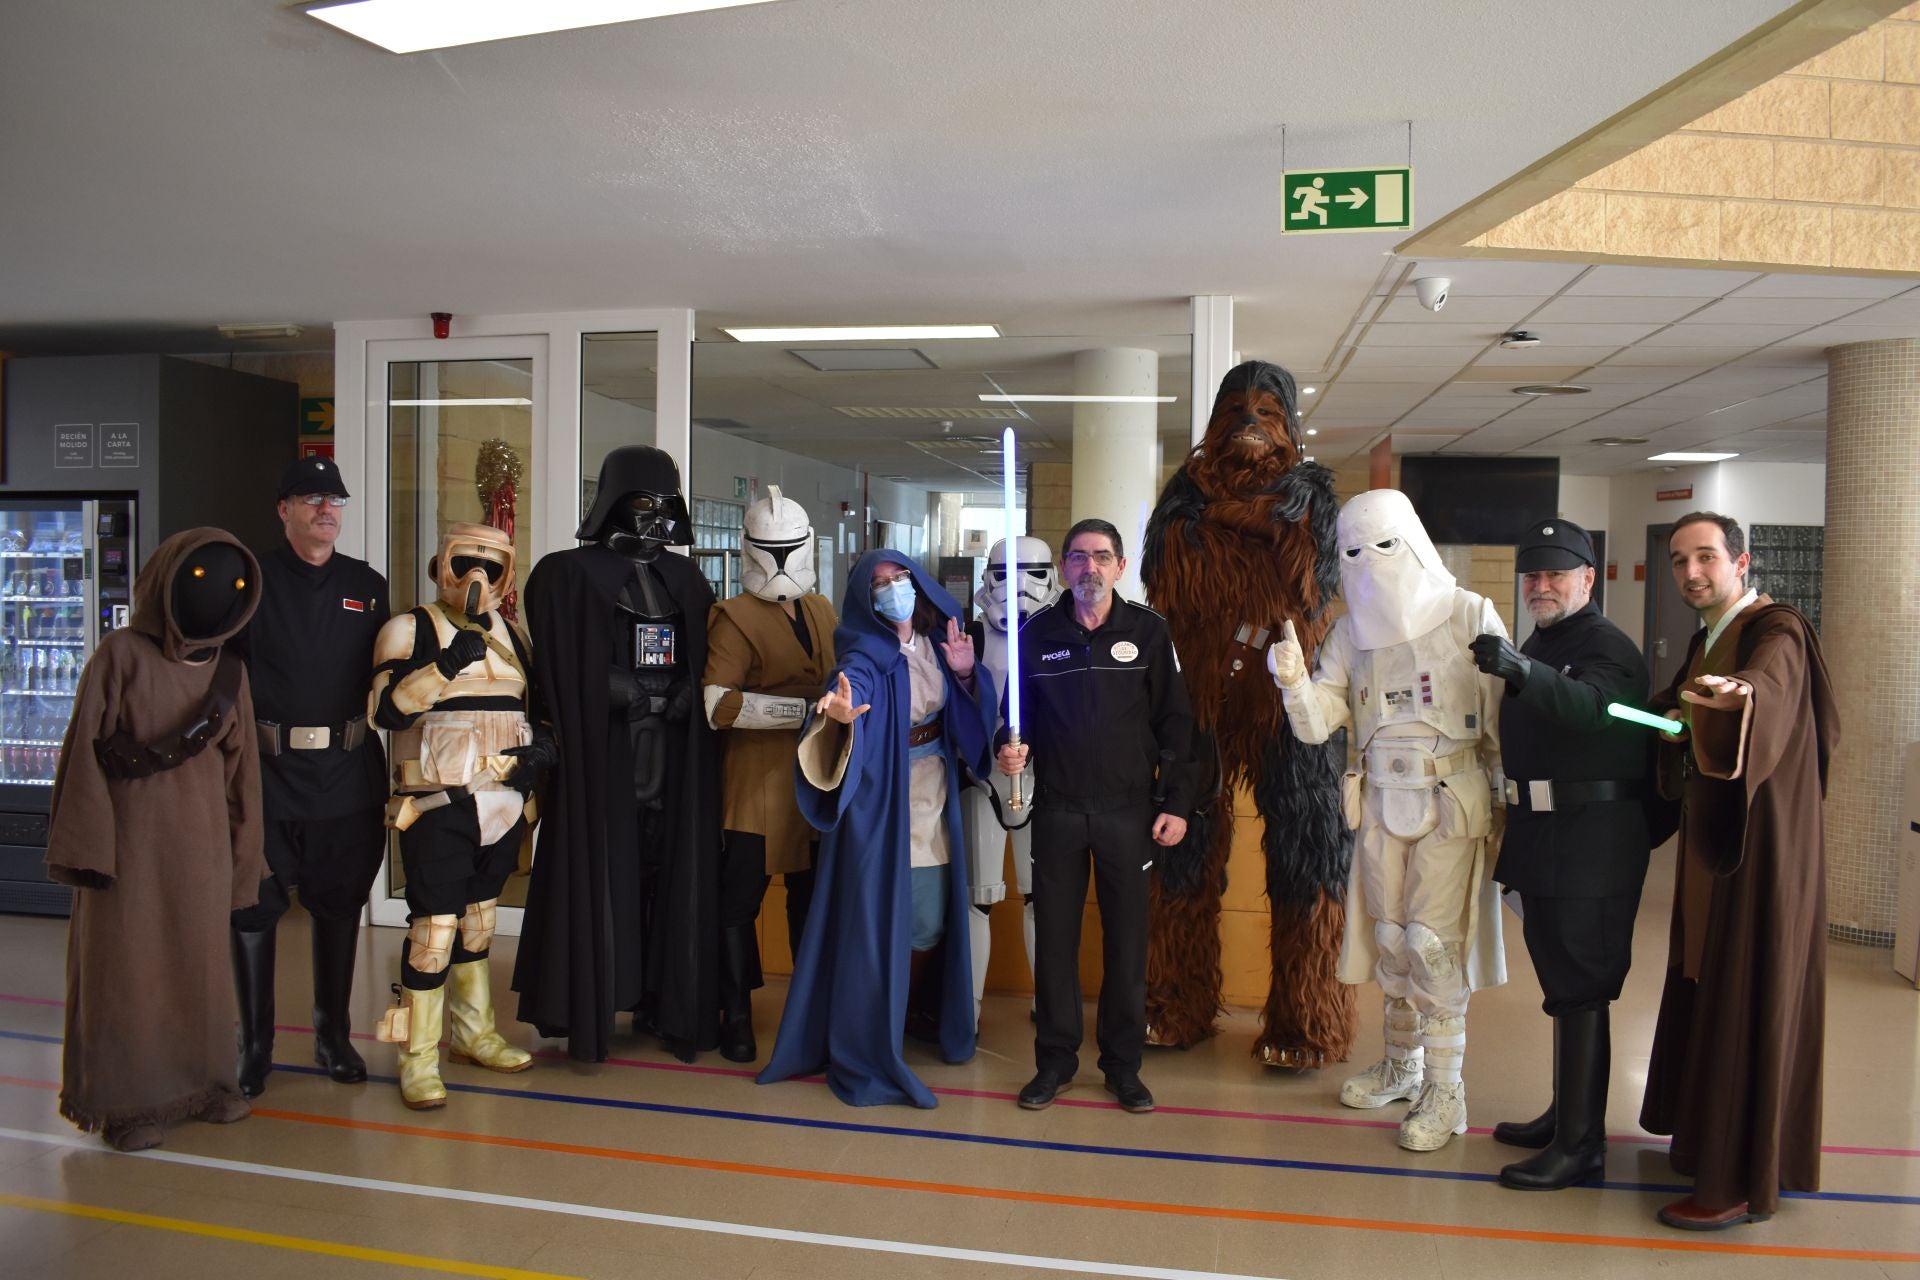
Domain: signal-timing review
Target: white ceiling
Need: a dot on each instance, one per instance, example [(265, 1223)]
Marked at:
[(1721, 361)]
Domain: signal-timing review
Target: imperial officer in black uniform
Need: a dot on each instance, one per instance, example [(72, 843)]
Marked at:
[(1576, 841), (1105, 713), (309, 654)]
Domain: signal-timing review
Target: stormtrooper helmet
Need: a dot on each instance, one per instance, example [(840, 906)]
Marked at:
[(1038, 585), (1395, 584), (776, 555), (473, 569)]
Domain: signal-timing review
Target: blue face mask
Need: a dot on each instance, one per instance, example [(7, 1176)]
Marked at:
[(894, 602)]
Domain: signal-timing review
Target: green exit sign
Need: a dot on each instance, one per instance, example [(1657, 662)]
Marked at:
[(1346, 200)]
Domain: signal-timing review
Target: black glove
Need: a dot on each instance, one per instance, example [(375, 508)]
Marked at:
[(1496, 656), (537, 759), (465, 649)]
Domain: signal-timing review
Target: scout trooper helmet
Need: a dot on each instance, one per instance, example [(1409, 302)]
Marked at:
[(776, 556), (1038, 585), (1395, 585), (473, 569)]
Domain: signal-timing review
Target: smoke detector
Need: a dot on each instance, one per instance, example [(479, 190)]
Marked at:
[(1519, 338)]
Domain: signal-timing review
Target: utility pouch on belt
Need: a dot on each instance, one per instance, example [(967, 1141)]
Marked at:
[(395, 1024), (1350, 799), (121, 755)]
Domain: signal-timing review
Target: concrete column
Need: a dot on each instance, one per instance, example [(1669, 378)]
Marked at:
[(946, 528), (1116, 447), (1213, 355), (1870, 625)]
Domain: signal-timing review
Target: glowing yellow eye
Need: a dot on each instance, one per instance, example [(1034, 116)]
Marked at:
[(199, 572), (239, 584)]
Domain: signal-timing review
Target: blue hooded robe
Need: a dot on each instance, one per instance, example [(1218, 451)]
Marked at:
[(847, 1007)]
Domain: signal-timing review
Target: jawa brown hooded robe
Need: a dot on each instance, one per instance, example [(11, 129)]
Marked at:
[(158, 862), (1735, 1071), (1244, 533)]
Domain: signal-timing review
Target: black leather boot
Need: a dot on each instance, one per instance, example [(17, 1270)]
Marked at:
[(334, 942), (1538, 1132), (1578, 1152), (739, 975), (253, 985), (799, 899)]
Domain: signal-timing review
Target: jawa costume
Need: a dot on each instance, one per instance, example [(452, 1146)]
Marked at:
[(450, 683), (1423, 917), (1241, 543), (623, 911), (1001, 604), (156, 824), (1736, 1063), (768, 654), (847, 1008)]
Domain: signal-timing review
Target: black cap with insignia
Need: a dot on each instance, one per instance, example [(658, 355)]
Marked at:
[(1553, 544), (311, 475)]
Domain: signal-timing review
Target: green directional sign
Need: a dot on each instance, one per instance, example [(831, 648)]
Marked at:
[(1346, 200)]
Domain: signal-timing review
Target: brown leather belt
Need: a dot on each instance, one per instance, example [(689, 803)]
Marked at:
[(921, 734)]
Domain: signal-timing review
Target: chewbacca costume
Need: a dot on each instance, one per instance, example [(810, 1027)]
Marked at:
[(1244, 533)]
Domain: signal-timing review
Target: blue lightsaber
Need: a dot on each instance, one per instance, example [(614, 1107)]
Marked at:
[(1011, 545)]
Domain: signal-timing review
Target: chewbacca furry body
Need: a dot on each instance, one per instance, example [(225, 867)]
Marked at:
[(1245, 533)]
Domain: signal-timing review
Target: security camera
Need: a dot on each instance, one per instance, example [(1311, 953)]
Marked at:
[(1432, 291)]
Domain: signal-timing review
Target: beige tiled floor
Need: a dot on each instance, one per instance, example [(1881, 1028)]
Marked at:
[(639, 1167)]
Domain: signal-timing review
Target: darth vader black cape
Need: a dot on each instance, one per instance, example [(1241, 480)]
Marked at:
[(585, 951)]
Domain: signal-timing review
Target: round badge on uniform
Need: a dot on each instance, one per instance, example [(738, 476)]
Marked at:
[(1125, 651)]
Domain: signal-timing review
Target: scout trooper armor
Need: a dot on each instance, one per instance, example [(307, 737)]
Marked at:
[(1037, 585), (1420, 908)]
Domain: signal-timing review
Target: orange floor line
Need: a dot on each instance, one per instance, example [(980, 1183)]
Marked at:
[(1673, 1245)]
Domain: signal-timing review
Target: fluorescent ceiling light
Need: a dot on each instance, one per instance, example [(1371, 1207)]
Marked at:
[(1313, 431), (1307, 391), (1692, 457), (410, 26), (865, 333), (249, 332), (477, 400), (1015, 399)]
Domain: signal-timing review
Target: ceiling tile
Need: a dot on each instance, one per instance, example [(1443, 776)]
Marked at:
[(1417, 357), (1804, 312), (1498, 310), (1642, 355), (1793, 285), (1694, 334), (1486, 278), (1834, 335), (1656, 282), (1900, 311), (1438, 334), (1549, 354), (1574, 308)]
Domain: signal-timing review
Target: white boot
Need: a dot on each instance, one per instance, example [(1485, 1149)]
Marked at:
[(1441, 1109), (1399, 1074), (980, 939)]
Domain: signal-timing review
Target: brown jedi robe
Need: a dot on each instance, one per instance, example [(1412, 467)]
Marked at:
[(158, 863), (751, 647), (1736, 1063)]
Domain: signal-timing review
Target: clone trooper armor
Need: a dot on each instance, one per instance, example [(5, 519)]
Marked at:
[(450, 684), (1421, 918), (1036, 587)]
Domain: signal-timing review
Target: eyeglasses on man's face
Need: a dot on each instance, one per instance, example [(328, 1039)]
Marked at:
[(318, 500), (1081, 559)]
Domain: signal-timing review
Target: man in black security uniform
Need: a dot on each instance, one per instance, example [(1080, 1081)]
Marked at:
[(1576, 840), (309, 654), (1106, 710)]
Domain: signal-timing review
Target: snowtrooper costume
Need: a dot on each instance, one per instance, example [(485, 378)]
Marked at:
[(1036, 587), (1421, 906)]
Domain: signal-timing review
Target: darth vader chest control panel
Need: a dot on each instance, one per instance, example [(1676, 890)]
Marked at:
[(655, 647)]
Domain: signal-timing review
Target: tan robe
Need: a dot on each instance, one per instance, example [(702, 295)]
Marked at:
[(751, 647), (158, 864)]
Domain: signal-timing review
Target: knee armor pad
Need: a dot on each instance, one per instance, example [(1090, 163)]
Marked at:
[(1436, 961), (430, 942), (476, 927)]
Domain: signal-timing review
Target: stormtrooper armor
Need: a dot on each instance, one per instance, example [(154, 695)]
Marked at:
[(1037, 585), (1420, 909), (776, 556)]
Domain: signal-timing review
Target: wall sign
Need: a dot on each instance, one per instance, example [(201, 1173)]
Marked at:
[(119, 444), (1674, 495), (1639, 570), (73, 444), (1613, 570)]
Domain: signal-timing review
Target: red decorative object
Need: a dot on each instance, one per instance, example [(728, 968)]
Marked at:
[(1674, 495), (497, 481)]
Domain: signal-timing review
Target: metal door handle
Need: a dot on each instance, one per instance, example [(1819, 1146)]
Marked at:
[(1660, 648)]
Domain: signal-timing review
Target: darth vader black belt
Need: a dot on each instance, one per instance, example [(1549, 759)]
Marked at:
[(1544, 796), (278, 738)]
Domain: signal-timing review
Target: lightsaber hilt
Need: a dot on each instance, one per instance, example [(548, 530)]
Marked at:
[(1017, 801)]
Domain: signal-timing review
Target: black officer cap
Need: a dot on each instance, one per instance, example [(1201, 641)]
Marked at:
[(1553, 544), (311, 475)]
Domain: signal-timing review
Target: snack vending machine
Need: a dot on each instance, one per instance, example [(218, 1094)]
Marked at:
[(66, 579)]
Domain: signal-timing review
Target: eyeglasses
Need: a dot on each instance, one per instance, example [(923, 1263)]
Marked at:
[(892, 580), (317, 500), (1080, 559)]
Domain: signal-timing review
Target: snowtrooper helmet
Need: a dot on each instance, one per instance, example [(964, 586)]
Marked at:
[(1038, 587), (1395, 584), (776, 555)]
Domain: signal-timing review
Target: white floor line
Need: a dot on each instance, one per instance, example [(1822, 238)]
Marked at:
[(93, 1146)]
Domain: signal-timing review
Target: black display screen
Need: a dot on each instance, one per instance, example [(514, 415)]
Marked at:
[(1481, 501)]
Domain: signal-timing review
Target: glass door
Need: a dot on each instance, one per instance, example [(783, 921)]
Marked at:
[(47, 632)]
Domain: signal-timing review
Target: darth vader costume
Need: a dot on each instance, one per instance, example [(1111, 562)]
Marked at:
[(622, 910)]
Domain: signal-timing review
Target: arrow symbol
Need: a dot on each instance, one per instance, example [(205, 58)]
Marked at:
[(1355, 197)]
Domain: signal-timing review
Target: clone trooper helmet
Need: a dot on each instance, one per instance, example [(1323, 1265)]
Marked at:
[(473, 568), (1395, 586), (1038, 585), (776, 556)]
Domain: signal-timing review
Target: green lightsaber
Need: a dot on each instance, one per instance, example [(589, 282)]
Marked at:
[(1621, 711)]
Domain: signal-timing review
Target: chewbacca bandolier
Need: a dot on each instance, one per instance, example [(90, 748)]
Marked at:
[(1242, 541)]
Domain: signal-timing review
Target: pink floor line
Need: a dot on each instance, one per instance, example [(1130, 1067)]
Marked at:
[(1271, 1117)]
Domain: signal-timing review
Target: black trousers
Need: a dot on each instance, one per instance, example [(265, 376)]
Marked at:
[(448, 869), (1117, 846), (1581, 948), (331, 861)]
